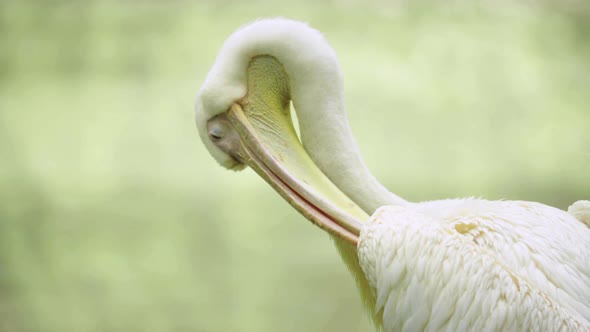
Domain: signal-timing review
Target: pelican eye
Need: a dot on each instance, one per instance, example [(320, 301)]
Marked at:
[(216, 133)]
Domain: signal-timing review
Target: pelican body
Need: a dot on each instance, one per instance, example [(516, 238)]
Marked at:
[(449, 265)]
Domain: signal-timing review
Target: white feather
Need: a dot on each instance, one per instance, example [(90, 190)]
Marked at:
[(581, 210)]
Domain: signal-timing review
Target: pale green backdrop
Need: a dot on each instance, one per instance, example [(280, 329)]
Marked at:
[(113, 217)]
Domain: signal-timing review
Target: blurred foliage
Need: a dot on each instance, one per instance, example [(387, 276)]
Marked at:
[(113, 217)]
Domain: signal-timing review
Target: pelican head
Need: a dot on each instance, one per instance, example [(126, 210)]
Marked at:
[(257, 131), (243, 117)]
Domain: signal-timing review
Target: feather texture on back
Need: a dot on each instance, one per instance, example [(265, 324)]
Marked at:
[(479, 265)]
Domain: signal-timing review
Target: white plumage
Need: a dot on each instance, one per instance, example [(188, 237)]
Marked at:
[(482, 268), (484, 265), (448, 265)]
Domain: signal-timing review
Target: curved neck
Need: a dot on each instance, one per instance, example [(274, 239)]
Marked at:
[(317, 95), (315, 82)]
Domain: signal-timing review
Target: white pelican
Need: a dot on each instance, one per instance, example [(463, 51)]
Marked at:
[(450, 265)]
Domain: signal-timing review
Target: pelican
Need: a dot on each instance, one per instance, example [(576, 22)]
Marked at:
[(448, 265)]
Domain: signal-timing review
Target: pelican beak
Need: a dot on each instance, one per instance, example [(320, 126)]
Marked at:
[(270, 146), (258, 131), (275, 153)]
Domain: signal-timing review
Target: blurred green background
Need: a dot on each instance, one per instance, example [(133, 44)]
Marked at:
[(113, 217)]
